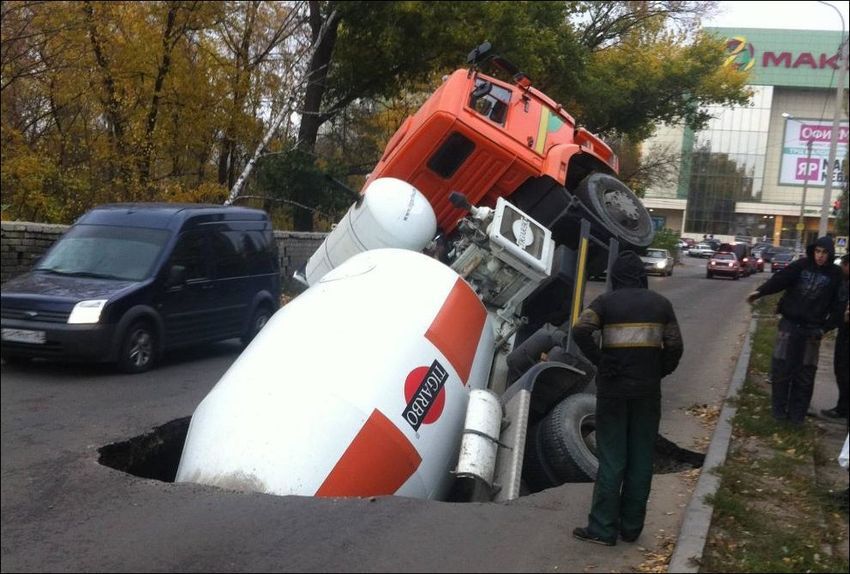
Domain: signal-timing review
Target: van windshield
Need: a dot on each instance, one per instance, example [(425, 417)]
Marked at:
[(105, 252)]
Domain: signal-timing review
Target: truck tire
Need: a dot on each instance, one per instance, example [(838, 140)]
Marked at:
[(561, 447), (618, 208)]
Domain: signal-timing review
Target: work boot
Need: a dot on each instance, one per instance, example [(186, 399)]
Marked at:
[(583, 534)]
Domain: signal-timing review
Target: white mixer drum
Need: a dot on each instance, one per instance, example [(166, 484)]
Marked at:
[(358, 387), (390, 213)]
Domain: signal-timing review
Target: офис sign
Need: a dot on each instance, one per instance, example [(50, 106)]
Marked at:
[(798, 165)]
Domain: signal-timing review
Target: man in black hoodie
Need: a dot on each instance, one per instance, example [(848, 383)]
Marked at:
[(641, 343), (811, 286)]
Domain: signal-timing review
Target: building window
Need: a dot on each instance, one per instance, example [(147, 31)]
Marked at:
[(727, 164)]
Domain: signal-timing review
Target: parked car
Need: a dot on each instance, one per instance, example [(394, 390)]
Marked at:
[(701, 250), (658, 261), (723, 264), (715, 243), (769, 251), (128, 281), (781, 260)]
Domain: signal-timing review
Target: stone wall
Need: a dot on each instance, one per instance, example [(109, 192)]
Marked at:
[(21, 243)]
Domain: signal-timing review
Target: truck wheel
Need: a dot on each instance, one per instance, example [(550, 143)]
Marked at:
[(618, 207), (138, 350), (258, 321), (564, 444)]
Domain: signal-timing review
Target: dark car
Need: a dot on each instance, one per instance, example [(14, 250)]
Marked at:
[(724, 264), (768, 252), (781, 260), (127, 282)]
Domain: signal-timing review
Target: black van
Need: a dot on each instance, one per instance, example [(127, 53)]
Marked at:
[(128, 281)]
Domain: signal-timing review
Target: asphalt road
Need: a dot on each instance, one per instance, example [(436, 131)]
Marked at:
[(62, 511)]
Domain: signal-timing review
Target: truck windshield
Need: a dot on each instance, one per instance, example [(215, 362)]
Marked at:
[(105, 252)]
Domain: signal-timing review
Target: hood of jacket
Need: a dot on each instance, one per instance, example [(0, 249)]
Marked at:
[(628, 271), (827, 244)]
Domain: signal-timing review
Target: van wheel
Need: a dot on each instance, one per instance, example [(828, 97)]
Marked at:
[(258, 321), (138, 351)]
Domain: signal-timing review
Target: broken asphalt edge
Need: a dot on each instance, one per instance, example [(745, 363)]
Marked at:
[(693, 533)]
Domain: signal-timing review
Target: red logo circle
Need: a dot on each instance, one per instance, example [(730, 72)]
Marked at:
[(411, 385)]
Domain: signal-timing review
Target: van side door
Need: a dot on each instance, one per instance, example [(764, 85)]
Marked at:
[(187, 306), (234, 285)]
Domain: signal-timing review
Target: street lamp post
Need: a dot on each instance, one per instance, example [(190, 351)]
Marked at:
[(836, 120), (801, 224)]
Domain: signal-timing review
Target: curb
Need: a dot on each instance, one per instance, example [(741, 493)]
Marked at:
[(693, 533)]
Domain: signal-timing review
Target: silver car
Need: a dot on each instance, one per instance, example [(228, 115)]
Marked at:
[(701, 250), (658, 261)]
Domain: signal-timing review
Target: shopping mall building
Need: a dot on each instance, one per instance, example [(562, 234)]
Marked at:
[(746, 172)]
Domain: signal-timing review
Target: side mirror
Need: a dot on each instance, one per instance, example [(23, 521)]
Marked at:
[(176, 276), (460, 201), (482, 90)]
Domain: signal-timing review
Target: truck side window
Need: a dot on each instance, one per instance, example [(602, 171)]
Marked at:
[(450, 155), (490, 100)]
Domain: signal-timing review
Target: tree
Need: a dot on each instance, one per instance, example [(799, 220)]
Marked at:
[(379, 50), (118, 101)]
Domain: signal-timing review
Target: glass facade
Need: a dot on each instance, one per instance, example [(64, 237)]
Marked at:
[(727, 166)]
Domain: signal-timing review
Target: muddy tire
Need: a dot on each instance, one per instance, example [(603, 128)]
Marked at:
[(618, 207), (562, 446)]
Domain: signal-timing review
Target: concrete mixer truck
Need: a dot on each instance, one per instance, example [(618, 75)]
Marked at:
[(431, 355)]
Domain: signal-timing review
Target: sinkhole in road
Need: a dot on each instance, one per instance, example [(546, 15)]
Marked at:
[(156, 455)]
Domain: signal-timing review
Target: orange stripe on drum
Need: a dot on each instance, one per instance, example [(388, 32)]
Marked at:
[(457, 327), (378, 461)]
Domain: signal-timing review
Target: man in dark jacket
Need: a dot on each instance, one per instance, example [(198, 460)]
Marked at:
[(841, 359), (641, 343), (811, 286)]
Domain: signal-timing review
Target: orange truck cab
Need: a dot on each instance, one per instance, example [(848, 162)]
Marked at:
[(488, 138)]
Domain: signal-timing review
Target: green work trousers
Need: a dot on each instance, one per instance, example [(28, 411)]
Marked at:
[(625, 442)]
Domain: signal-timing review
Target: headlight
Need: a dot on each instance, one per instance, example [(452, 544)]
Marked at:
[(87, 312), (661, 264)]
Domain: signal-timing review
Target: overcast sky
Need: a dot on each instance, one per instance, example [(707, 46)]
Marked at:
[(787, 15)]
